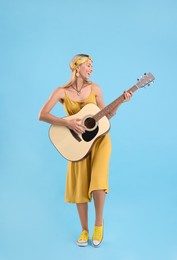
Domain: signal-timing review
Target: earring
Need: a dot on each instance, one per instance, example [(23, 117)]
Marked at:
[(77, 74)]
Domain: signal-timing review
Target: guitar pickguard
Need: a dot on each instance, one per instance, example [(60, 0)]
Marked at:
[(89, 135)]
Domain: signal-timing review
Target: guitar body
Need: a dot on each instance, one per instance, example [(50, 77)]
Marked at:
[(72, 146)]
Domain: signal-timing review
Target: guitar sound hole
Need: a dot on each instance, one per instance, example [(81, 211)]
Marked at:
[(90, 123)]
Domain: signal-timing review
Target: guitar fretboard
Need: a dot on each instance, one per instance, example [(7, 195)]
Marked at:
[(107, 111)]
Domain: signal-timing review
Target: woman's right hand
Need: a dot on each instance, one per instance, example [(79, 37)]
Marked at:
[(75, 125)]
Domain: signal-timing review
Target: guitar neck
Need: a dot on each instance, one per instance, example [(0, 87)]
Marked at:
[(106, 111)]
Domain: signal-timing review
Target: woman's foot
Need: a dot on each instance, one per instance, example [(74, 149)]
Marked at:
[(83, 239), (97, 235)]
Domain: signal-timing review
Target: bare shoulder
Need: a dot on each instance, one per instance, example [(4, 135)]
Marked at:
[(98, 95), (96, 89), (59, 93)]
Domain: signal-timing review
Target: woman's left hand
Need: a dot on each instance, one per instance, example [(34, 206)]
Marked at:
[(127, 95)]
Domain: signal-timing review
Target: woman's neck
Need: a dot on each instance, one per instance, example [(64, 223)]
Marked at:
[(79, 83)]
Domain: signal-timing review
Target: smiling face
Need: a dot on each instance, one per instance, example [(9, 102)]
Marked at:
[(85, 69)]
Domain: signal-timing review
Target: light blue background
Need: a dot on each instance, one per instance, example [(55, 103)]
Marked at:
[(125, 38)]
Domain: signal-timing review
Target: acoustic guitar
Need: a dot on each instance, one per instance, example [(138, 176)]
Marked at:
[(75, 147)]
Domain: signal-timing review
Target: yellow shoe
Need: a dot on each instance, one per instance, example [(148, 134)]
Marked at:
[(83, 239), (97, 235)]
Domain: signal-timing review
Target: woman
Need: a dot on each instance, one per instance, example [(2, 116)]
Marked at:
[(88, 177)]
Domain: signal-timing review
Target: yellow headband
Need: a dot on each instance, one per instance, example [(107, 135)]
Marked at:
[(80, 61)]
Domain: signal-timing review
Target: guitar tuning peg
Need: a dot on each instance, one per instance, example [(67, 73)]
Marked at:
[(145, 73), (139, 78)]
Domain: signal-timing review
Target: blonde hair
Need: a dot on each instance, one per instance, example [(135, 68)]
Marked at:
[(74, 63)]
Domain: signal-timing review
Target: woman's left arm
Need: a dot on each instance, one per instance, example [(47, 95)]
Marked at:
[(99, 96), (100, 101)]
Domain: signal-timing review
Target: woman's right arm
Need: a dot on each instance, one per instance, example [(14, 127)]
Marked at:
[(44, 115)]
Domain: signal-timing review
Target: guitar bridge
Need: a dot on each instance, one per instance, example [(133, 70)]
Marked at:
[(75, 135)]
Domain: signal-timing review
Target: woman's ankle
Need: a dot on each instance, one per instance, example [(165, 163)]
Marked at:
[(99, 222)]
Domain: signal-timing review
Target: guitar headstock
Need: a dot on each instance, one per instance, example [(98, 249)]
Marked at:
[(146, 79)]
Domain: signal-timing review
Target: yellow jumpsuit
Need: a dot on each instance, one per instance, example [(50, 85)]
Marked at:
[(91, 173)]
